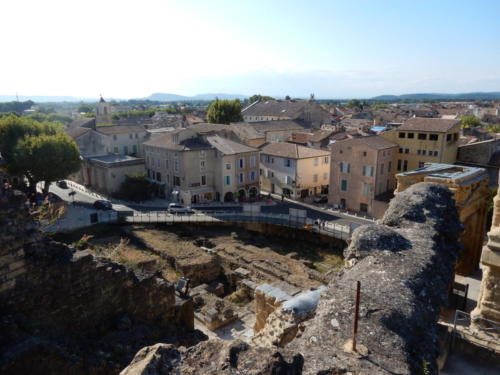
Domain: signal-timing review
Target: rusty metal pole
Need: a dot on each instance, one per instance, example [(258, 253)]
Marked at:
[(356, 316)]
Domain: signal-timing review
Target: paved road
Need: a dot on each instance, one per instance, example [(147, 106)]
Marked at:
[(86, 200)]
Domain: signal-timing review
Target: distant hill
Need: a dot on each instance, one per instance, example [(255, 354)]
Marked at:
[(437, 96), (46, 99), (165, 97)]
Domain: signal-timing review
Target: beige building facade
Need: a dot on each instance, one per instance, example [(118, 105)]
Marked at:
[(424, 140), (106, 173), (294, 171), (192, 168), (362, 168)]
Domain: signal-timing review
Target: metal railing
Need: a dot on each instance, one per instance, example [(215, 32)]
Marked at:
[(484, 332), (331, 229)]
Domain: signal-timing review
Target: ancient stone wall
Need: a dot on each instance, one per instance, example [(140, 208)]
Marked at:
[(488, 305), (56, 302)]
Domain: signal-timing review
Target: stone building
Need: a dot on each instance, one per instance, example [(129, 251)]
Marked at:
[(106, 173), (294, 171), (488, 304), (103, 112), (471, 194), (199, 166), (424, 140), (362, 168)]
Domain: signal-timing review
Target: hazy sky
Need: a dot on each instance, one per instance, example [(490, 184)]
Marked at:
[(350, 48)]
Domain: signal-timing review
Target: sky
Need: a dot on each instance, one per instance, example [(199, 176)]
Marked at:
[(332, 48)]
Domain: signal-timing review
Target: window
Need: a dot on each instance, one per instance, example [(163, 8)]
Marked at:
[(421, 164), (202, 164), (424, 152), (364, 153), (367, 190), (389, 167), (228, 166), (130, 136), (315, 178), (433, 137), (241, 163), (134, 149), (166, 163), (202, 154), (435, 153), (422, 136), (325, 176), (316, 161), (227, 180), (419, 152), (288, 162), (253, 176), (288, 180), (400, 150), (326, 160), (253, 161), (399, 164), (114, 137), (345, 167), (241, 177), (363, 207), (407, 150), (203, 180), (405, 165), (176, 181), (411, 135), (382, 168), (158, 176), (455, 136), (401, 135), (136, 136), (116, 150), (343, 185), (367, 171), (125, 150), (176, 165)]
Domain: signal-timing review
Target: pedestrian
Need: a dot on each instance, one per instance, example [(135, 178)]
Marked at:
[(282, 197)]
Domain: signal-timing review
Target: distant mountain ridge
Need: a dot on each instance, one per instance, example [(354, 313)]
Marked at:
[(165, 97), (438, 96), (160, 97)]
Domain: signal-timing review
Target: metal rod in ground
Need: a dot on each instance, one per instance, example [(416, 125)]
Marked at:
[(356, 316)]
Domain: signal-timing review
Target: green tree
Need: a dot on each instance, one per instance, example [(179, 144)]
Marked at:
[(14, 128), (17, 107), (85, 108), (135, 188), (287, 97), (258, 97), (47, 158), (59, 117), (469, 121), (224, 111), (354, 103)]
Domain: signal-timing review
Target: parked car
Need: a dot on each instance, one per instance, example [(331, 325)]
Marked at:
[(321, 199), (103, 205), (176, 208), (62, 184)]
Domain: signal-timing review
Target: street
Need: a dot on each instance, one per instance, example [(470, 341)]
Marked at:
[(86, 199)]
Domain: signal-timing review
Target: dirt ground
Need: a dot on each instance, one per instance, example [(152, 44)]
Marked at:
[(269, 258)]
